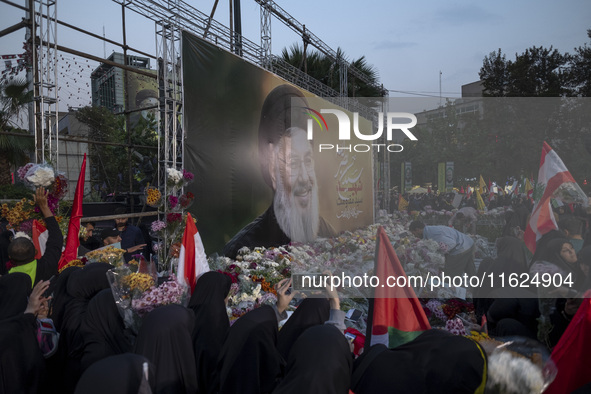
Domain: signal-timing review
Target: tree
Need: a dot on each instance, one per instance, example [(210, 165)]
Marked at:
[(494, 74), (538, 72), (14, 150), (326, 70), (110, 164), (580, 70)]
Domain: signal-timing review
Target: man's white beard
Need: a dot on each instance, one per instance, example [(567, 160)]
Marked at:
[(300, 225)]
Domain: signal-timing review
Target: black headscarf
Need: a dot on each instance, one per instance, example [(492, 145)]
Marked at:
[(81, 285), (319, 363), (120, 374), (311, 312), (22, 367), (165, 340), (435, 362), (61, 297), (511, 256), (103, 330), (14, 289), (543, 242), (211, 324), (250, 361), (552, 255)]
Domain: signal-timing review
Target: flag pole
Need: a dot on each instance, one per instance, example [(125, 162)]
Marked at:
[(369, 327)]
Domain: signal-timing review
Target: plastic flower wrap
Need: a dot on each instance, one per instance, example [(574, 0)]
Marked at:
[(169, 292), (174, 177), (134, 286), (186, 200), (107, 254), (60, 186), (40, 175), (518, 365), (153, 197), (455, 326)]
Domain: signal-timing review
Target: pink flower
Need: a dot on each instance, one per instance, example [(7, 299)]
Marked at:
[(188, 175), (173, 201)]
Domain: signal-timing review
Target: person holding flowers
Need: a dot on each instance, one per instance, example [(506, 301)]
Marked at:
[(21, 250), (132, 239)]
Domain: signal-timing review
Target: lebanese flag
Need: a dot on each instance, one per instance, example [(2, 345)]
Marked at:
[(40, 235), (395, 313), (73, 241), (572, 354), (192, 258), (553, 174)]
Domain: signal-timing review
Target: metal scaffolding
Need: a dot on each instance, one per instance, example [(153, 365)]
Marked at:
[(43, 14), (266, 36), (295, 25)]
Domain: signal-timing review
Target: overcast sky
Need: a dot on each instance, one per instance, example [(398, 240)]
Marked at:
[(409, 43)]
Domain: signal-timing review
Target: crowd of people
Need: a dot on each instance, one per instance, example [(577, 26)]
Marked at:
[(194, 349)]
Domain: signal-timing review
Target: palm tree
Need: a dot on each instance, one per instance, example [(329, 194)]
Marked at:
[(326, 70), (14, 96)]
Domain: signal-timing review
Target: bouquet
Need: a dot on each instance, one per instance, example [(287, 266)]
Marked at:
[(107, 254), (136, 290), (153, 197), (37, 175)]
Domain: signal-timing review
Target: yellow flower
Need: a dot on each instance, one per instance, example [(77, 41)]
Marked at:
[(138, 280)]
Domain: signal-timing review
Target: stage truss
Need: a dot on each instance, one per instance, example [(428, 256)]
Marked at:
[(171, 17)]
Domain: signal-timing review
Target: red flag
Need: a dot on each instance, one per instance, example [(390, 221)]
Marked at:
[(396, 315), (462, 190), (73, 241), (553, 174), (572, 354), (40, 235), (192, 258)]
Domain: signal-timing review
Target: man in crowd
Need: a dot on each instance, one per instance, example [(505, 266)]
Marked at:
[(465, 218), (459, 258), (132, 239), (21, 250), (287, 166), (110, 236), (89, 241)]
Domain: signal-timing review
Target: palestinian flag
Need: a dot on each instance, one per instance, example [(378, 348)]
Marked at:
[(395, 313)]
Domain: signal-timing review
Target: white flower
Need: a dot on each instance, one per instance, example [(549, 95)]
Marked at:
[(174, 175), (40, 175), (513, 374), (21, 234)]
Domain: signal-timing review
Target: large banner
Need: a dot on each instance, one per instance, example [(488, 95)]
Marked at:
[(449, 176), (406, 175), (441, 177), (247, 142)]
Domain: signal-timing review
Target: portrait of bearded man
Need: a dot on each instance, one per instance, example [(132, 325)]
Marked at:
[(287, 166)]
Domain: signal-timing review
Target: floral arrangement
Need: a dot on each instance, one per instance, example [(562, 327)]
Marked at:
[(169, 232), (255, 272), (174, 177), (136, 290), (38, 174), (108, 254), (20, 215), (153, 196), (169, 292), (74, 263)]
